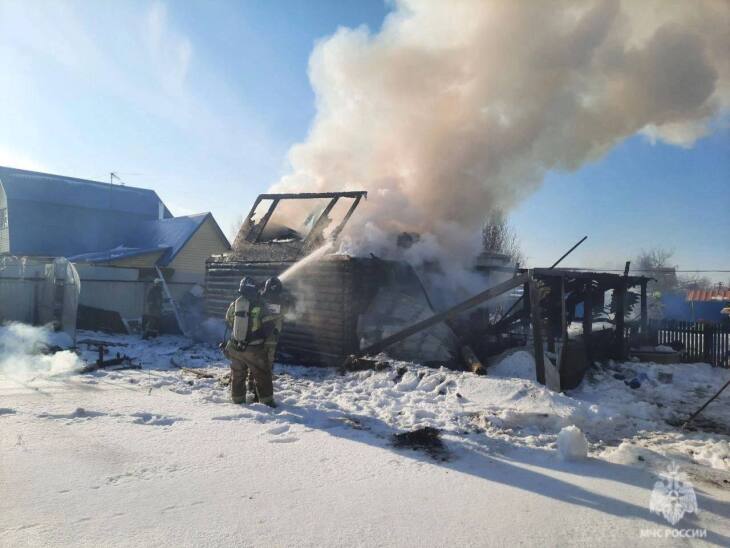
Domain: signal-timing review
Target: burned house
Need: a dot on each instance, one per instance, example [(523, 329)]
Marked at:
[(343, 302)]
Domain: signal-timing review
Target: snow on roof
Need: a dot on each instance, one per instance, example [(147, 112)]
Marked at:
[(169, 235), (708, 295), (115, 254), (172, 233)]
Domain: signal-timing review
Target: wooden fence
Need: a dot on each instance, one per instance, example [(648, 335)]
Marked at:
[(703, 342)]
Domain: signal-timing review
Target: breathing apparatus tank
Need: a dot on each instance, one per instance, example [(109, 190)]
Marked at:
[(243, 322)]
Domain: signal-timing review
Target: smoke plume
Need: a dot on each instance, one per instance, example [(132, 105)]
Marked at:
[(455, 109), (22, 350)]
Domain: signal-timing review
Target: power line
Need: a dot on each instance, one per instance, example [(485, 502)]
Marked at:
[(658, 271)]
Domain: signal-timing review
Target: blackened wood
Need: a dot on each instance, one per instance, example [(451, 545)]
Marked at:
[(346, 218), (476, 300), (536, 316), (620, 300), (644, 314), (471, 361), (258, 228), (588, 321), (313, 195)]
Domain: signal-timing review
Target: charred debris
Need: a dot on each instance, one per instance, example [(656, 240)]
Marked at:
[(349, 309)]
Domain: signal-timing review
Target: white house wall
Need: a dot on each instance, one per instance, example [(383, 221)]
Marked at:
[(4, 231), (122, 290), (21, 286)]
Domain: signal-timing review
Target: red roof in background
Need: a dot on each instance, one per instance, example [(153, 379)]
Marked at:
[(708, 295)]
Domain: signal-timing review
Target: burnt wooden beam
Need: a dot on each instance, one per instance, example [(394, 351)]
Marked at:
[(607, 279), (588, 321), (471, 361), (526, 306), (553, 322), (556, 263), (620, 300), (507, 321), (560, 260), (346, 218), (476, 300), (563, 323), (321, 223), (255, 233), (644, 314), (313, 195), (536, 315)]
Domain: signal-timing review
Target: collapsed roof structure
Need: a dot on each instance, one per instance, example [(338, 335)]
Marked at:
[(343, 302), (350, 307)]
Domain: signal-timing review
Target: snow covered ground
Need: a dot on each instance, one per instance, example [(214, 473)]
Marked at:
[(159, 456)]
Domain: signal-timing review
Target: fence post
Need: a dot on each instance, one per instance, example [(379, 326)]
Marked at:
[(707, 332), (619, 296), (644, 314), (536, 317)]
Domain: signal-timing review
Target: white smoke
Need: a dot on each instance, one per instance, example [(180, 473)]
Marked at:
[(455, 109), (22, 350)]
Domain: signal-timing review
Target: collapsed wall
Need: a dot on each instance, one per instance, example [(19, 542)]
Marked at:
[(343, 303)]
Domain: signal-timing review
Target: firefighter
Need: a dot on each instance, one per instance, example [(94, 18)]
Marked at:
[(255, 321), (152, 317), (275, 306)]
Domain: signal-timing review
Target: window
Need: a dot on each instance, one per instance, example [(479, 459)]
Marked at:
[(3, 218)]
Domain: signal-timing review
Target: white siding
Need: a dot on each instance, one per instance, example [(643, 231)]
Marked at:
[(4, 232), (122, 290), (205, 242)]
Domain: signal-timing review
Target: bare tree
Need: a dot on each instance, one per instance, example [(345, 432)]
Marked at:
[(499, 237), (234, 228), (695, 281), (655, 263)]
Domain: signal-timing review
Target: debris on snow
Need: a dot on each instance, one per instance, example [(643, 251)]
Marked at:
[(424, 439)]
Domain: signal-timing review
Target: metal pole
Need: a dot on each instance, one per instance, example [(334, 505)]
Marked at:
[(560, 260), (708, 402)]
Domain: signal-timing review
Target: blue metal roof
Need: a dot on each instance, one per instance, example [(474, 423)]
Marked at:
[(53, 215), (25, 185)]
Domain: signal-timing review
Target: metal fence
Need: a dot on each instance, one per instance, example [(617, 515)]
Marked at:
[(702, 342)]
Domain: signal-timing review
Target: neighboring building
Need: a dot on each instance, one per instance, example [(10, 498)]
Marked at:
[(708, 304), (89, 222), (696, 304)]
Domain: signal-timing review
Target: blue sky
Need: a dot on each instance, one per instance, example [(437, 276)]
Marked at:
[(201, 101)]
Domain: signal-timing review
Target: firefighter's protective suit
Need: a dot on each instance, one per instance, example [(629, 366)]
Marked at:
[(255, 322)]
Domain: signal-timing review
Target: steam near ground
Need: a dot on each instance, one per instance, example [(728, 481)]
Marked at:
[(23, 347), (457, 108), (160, 456)]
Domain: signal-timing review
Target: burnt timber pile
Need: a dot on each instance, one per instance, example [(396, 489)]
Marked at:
[(342, 302)]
